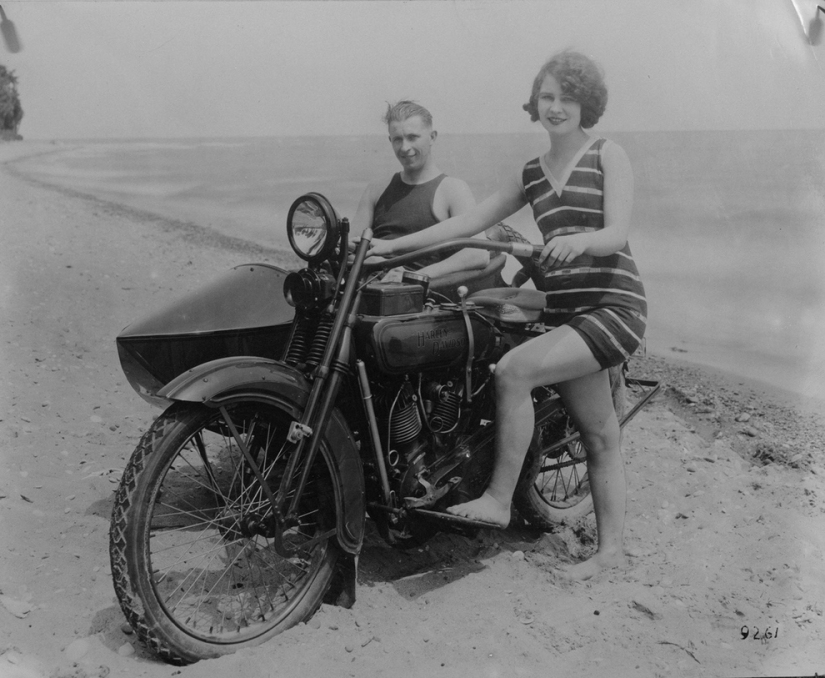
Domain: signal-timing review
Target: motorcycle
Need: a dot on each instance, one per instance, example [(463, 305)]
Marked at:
[(290, 418)]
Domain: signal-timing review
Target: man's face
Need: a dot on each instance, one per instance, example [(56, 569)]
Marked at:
[(411, 142)]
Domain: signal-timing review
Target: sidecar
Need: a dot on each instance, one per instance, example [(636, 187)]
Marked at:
[(242, 312)]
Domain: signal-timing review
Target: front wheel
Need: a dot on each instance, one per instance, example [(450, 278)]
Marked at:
[(554, 487), (192, 541)]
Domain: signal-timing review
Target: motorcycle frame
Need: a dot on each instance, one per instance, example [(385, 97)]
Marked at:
[(219, 381)]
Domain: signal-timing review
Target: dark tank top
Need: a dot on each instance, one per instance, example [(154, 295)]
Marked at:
[(403, 209)]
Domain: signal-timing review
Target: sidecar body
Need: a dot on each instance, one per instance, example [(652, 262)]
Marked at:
[(241, 313)]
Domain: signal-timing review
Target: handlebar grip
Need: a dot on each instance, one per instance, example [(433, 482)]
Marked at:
[(519, 249)]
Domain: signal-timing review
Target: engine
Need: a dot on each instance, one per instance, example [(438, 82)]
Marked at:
[(395, 340), (433, 406), (418, 421), (422, 354)]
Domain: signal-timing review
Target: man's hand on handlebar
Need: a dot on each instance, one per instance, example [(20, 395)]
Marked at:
[(394, 274), (380, 248)]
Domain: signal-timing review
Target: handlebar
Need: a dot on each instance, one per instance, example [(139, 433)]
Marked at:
[(517, 249)]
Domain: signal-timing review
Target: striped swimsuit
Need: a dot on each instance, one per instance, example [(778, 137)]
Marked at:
[(602, 298)]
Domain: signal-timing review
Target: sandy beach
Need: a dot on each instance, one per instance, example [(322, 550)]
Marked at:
[(725, 518)]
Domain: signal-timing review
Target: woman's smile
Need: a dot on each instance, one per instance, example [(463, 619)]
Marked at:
[(557, 108)]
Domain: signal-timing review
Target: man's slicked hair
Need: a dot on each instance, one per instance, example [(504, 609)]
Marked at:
[(402, 110)]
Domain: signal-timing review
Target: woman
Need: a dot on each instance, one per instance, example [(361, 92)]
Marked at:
[(581, 194)]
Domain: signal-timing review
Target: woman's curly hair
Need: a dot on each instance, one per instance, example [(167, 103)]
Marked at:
[(580, 78)]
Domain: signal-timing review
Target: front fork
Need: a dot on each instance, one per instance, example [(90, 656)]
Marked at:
[(306, 435)]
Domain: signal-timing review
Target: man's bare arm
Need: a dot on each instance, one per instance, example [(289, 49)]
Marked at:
[(455, 198), (366, 209)]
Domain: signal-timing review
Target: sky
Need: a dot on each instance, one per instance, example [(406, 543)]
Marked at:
[(195, 68)]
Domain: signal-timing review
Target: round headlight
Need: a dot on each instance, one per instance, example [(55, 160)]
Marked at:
[(312, 227)]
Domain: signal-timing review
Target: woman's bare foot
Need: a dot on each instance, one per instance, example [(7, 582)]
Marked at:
[(486, 508), (594, 566)]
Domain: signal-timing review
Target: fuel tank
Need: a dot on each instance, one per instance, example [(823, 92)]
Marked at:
[(242, 312), (433, 339)]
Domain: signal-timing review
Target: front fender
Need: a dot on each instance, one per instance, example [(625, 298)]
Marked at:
[(225, 379)]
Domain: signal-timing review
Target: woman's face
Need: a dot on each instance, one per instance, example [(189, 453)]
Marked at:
[(558, 113)]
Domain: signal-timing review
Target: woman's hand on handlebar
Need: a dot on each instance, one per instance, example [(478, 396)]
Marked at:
[(561, 250)]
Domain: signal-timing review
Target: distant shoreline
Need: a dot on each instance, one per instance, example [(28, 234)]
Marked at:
[(187, 229)]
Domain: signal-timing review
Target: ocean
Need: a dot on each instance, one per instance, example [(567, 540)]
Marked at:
[(728, 228)]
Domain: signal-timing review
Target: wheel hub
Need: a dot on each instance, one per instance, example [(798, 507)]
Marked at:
[(256, 524)]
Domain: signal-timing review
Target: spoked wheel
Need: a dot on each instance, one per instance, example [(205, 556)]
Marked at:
[(555, 488), (200, 567)]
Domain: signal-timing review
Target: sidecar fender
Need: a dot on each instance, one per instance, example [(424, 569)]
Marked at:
[(218, 381)]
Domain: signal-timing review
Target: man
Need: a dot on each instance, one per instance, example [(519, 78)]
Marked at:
[(418, 196)]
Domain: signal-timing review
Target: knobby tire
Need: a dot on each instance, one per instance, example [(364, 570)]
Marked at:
[(191, 546)]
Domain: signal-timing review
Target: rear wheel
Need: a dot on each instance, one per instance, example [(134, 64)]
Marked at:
[(555, 488), (192, 541)]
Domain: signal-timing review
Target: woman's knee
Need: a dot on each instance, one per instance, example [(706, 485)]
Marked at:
[(510, 372), (603, 441)]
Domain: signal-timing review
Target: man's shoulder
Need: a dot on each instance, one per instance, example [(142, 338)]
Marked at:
[(450, 181), (452, 197), (453, 186), (377, 187)]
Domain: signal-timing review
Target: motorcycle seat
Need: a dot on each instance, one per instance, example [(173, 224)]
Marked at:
[(509, 304), (475, 279)]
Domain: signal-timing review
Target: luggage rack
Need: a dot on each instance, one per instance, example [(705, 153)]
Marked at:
[(652, 386)]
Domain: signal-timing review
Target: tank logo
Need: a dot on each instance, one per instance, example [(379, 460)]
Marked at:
[(439, 340), (430, 335)]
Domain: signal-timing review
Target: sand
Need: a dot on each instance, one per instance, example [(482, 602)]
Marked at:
[(725, 520)]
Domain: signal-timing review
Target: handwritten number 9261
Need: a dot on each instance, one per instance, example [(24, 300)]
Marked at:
[(755, 633)]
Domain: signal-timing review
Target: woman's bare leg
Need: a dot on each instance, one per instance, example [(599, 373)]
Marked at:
[(558, 356), (590, 403)]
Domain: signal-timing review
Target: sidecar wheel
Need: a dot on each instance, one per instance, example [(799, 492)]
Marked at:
[(192, 551), (554, 489)]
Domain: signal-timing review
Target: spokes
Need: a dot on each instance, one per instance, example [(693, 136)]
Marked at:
[(211, 538), (563, 481)]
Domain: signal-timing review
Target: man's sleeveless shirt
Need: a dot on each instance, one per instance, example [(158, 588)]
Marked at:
[(405, 208)]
